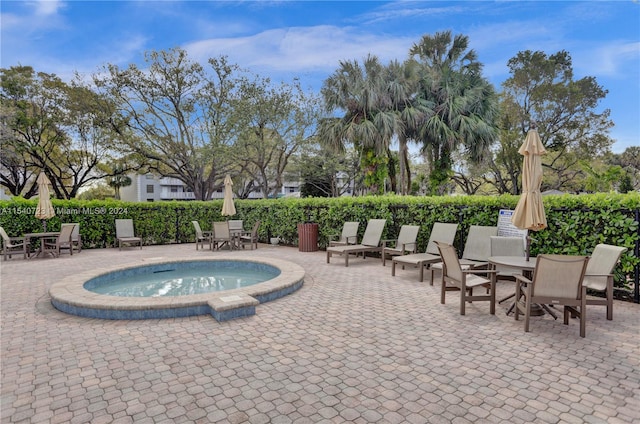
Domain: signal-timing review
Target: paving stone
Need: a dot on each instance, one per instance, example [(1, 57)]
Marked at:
[(352, 345)]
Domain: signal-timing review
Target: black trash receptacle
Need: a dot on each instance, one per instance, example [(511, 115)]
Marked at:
[(308, 237)]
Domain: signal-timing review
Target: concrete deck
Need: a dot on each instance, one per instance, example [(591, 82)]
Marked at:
[(352, 345)]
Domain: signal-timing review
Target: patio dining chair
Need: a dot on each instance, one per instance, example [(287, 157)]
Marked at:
[(11, 245), (599, 274), (221, 235), (557, 280), (454, 277), (62, 242), (507, 246), (477, 248), (76, 238), (201, 236), (250, 237)]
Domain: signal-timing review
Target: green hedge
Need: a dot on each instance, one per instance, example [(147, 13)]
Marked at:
[(576, 223)]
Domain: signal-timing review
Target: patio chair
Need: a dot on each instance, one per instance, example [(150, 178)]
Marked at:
[(507, 246), (557, 280), (76, 238), (202, 236), (440, 231), (125, 234), (349, 234), (370, 242), (405, 243), (236, 225), (250, 237), (221, 236), (464, 280), (11, 245), (599, 274), (477, 248), (61, 242)]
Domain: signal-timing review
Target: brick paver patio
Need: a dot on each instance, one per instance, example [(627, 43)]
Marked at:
[(353, 345)]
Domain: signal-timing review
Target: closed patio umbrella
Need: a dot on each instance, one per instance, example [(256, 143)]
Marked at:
[(529, 213), (228, 207), (45, 209)]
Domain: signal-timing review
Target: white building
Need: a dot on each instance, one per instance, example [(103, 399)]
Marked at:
[(151, 188)]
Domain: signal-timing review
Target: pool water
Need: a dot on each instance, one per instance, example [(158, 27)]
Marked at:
[(181, 278)]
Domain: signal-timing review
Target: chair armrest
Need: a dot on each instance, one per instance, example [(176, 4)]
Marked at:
[(352, 239), (478, 271), (384, 242), (522, 279), (404, 246)]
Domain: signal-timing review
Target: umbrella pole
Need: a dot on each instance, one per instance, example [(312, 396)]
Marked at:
[(44, 225), (528, 248)]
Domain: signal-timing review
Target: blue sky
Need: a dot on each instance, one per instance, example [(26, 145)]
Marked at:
[(306, 39)]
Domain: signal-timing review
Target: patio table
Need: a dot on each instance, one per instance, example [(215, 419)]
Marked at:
[(29, 236)]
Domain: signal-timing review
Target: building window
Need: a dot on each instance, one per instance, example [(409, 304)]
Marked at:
[(174, 189), (149, 176), (149, 188)]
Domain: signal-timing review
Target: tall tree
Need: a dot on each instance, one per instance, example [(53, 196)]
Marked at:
[(542, 89), (279, 121), (65, 130), (464, 103), (402, 83), (182, 116), (368, 123)]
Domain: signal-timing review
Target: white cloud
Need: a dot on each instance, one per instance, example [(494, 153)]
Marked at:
[(46, 7), (302, 49), (615, 59)]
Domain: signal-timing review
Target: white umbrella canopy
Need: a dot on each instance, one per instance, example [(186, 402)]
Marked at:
[(529, 213), (45, 209), (228, 207)]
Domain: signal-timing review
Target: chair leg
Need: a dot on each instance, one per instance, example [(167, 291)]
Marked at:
[(527, 309), (609, 296)]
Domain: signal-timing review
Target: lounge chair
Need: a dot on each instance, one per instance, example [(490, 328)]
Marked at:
[(221, 235), (370, 242), (599, 274), (404, 244), (557, 280), (202, 236), (464, 280), (61, 242), (250, 237), (443, 232), (477, 248), (349, 234), (11, 245), (125, 234), (76, 238)]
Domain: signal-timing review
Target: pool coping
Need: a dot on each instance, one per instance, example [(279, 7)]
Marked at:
[(70, 296)]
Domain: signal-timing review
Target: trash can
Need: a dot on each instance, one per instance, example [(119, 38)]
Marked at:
[(308, 237)]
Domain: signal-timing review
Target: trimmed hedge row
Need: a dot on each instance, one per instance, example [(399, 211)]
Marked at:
[(576, 223)]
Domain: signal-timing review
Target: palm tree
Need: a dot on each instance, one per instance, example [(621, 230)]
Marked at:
[(118, 180), (402, 88), (464, 103), (368, 122)]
